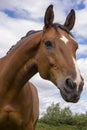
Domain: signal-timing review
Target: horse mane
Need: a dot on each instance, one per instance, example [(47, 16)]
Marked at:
[(27, 34), (55, 25)]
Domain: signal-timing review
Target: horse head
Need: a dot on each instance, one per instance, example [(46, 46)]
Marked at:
[(57, 56)]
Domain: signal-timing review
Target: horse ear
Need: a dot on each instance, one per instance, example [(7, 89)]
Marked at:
[(70, 20), (49, 16)]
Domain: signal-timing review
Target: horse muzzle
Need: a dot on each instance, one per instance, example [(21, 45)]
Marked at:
[(71, 91)]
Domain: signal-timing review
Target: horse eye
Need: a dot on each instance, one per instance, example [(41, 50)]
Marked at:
[(76, 47), (48, 44)]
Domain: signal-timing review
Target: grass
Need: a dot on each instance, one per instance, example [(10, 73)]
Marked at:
[(43, 126)]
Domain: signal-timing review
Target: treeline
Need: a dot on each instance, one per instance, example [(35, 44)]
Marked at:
[(57, 116)]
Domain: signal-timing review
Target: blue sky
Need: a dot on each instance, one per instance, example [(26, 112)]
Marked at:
[(18, 17)]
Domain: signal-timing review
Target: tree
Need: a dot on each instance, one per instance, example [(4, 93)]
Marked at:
[(55, 115), (66, 116), (52, 115)]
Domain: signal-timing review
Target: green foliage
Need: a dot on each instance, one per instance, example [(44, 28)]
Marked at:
[(52, 115), (56, 116), (81, 121), (66, 116), (43, 126)]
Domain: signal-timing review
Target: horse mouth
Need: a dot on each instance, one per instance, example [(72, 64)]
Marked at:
[(70, 97)]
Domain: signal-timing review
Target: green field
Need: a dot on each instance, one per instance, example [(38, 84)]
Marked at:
[(43, 126)]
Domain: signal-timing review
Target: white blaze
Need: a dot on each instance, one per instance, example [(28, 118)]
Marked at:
[(78, 77), (64, 39)]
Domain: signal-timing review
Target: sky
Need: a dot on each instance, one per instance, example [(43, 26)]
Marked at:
[(17, 17)]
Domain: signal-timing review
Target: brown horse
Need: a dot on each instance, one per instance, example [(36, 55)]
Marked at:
[(51, 52)]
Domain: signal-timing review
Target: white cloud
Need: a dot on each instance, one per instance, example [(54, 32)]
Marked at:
[(82, 49), (81, 23), (35, 9), (11, 30)]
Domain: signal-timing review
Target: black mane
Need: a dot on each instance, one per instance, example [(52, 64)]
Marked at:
[(57, 25), (30, 33)]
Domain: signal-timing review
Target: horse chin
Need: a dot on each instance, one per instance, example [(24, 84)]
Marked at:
[(68, 97)]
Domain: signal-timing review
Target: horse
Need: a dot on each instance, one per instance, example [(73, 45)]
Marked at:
[(51, 52)]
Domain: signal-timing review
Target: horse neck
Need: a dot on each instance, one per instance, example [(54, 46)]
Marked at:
[(20, 63)]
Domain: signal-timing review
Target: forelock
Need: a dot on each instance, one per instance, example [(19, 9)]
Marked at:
[(57, 25)]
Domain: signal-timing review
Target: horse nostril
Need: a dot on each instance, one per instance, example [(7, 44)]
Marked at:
[(70, 83), (81, 86)]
